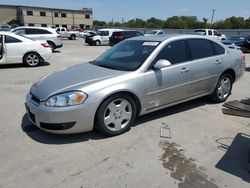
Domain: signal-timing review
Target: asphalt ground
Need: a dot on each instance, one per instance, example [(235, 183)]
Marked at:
[(205, 149)]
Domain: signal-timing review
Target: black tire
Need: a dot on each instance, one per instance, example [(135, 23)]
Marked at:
[(32, 59), (72, 37), (244, 49), (52, 46), (120, 112), (97, 43), (223, 88)]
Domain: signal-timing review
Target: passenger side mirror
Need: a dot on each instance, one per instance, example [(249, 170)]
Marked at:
[(162, 63)]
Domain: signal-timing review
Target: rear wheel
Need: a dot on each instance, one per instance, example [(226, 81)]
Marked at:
[(115, 115), (72, 37), (32, 59), (97, 43), (223, 88), (52, 46)]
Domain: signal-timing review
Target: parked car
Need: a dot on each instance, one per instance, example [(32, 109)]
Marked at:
[(155, 33), (41, 33), (135, 77), (71, 35), (101, 38), (243, 41), (119, 36), (87, 33), (18, 49), (211, 33)]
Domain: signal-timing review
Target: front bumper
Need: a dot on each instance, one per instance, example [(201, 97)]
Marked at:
[(61, 120)]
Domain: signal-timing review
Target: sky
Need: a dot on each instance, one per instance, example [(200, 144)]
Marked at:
[(124, 10)]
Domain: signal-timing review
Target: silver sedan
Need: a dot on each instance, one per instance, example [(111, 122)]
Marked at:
[(135, 77)]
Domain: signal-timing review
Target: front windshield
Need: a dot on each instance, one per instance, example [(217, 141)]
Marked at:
[(128, 55)]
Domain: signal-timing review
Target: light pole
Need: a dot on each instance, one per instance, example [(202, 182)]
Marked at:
[(212, 20)]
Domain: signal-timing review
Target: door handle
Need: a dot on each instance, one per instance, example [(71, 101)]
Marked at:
[(217, 62), (184, 70)]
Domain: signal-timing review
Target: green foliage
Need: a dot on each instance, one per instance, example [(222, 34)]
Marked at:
[(181, 22)]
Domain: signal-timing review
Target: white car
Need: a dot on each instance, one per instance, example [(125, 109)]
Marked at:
[(86, 33), (19, 49)]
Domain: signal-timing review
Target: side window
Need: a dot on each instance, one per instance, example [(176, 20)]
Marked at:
[(216, 33), (138, 34), (174, 52), (9, 39), (210, 32), (160, 33), (218, 50), (20, 32), (200, 48), (37, 31)]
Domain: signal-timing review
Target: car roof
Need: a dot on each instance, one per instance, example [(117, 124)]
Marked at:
[(34, 27), (171, 36), (16, 36)]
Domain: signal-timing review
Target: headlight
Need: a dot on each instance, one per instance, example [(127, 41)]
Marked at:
[(66, 99)]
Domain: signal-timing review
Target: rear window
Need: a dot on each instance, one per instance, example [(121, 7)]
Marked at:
[(218, 50), (37, 31), (9, 39), (200, 48)]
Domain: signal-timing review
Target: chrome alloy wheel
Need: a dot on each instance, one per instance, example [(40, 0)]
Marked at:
[(224, 88), (117, 114), (32, 59)]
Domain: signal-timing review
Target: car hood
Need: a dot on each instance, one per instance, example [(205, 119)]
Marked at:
[(71, 78)]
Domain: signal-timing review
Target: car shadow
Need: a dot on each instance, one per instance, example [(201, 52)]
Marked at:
[(56, 139), (247, 69), (20, 65), (173, 110), (235, 160), (56, 51), (47, 138)]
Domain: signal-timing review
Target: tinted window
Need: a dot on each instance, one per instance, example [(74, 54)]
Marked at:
[(87, 16), (42, 13), (36, 31), (63, 15), (210, 32), (218, 50), (56, 14), (174, 52), (216, 33), (29, 13), (19, 32), (200, 48), (44, 25), (9, 39), (138, 34)]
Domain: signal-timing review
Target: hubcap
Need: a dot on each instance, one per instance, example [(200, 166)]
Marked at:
[(118, 114), (32, 59), (224, 88)]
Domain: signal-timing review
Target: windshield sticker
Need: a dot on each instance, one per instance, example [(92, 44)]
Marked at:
[(150, 43)]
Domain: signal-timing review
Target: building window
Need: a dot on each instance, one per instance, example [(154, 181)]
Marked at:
[(44, 25), (64, 26), (57, 25), (63, 15), (29, 13), (87, 27), (56, 14), (42, 13), (31, 24), (87, 16)]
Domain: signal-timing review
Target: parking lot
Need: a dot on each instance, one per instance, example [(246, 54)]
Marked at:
[(206, 147)]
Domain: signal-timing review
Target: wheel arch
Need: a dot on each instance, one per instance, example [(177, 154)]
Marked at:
[(32, 51), (132, 95), (231, 72)]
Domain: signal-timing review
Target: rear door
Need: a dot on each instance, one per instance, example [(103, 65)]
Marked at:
[(14, 49), (206, 64)]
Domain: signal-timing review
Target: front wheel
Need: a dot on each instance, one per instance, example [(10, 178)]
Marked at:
[(115, 115), (223, 88), (97, 43), (32, 59), (72, 37)]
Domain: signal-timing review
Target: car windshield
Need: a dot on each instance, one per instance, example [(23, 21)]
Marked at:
[(153, 32), (236, 38), (128, 55)]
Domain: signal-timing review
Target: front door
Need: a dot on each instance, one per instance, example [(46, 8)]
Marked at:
[(170, 84)]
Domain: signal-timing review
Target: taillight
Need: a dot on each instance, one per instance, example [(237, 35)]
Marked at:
[(59, 36), (45, 45), (243, 57), (119, 37)]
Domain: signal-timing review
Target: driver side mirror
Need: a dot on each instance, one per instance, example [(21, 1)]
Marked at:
[(162, 63)]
